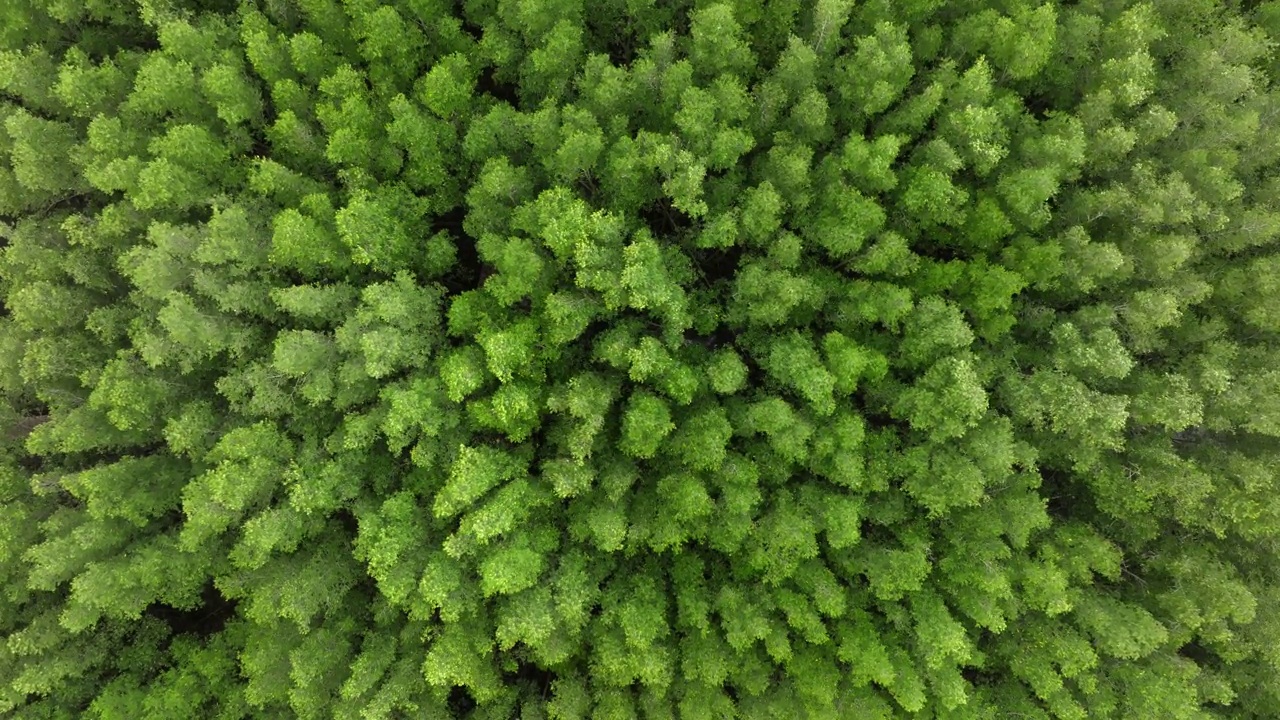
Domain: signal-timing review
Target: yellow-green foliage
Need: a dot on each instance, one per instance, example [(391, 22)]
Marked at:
[(618, 359)]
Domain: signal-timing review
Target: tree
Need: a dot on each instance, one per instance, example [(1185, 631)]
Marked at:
[(620, 359)]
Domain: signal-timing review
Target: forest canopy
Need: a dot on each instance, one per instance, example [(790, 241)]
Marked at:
[(624, 359)]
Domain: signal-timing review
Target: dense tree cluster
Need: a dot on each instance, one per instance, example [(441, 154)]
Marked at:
[(630, 359)]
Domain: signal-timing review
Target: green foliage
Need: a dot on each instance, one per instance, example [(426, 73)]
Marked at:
[(639, 360)]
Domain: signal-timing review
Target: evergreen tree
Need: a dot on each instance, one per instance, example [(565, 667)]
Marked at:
[(552, 359)]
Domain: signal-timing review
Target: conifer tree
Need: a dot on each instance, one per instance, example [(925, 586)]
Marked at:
[(554, 359)]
